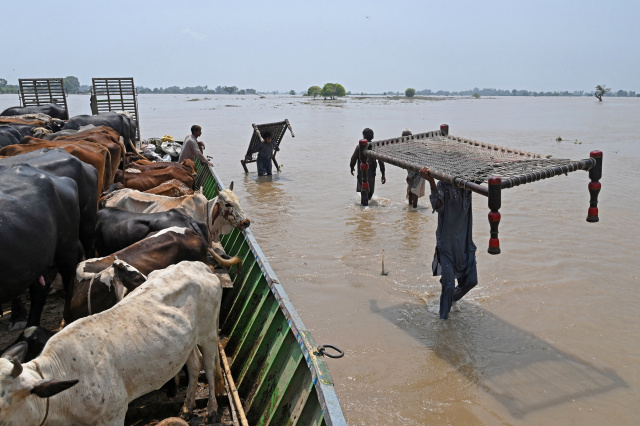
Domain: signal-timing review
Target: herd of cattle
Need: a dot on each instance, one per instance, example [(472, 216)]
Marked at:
[(80, 204)]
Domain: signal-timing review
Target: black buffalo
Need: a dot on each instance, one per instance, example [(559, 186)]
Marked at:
[(52, 110), (118, 229), (125, 126), (39, 217), (58, 162), (35, 338), (9, 136)]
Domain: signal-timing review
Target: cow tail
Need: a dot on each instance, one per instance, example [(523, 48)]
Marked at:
[(222, 261)]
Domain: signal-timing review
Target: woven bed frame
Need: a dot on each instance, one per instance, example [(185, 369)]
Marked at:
[(468, 164), (277, 130)]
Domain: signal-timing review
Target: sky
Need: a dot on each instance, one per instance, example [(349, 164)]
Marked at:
[(367, 46)]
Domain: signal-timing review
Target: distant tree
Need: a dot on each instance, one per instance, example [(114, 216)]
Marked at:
[(3, 82), (410, 92), (71, 84), (230, 89), (329, 90), (314, 91), (476, 95), (600, 91), (292, 92), (340, 91), (251, 91)]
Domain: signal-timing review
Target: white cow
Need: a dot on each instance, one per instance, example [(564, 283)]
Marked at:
[(221, 214), (122, 353)]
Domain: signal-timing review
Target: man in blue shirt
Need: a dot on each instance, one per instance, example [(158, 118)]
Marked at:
[(455, 256)]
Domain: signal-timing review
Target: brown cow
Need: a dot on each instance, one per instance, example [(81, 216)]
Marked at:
[(171, 188), (91, 153), (101, 135), (99, 286), (144, 180)]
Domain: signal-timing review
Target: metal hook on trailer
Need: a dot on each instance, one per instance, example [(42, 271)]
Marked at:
[(322, 352)]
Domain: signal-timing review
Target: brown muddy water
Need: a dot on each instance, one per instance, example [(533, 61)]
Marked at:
[(549, 336)]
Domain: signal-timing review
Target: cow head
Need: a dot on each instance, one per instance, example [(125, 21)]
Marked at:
[(20, 388), (127, 276), (226, 215)]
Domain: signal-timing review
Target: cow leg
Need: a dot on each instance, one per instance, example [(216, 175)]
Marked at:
[(193, 371), (38, 293), (210, 358), (18, 319)]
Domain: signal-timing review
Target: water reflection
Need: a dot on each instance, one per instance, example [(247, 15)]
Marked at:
[(268, 195), (521, 371)]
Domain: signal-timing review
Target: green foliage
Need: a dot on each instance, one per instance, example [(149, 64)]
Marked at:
[(3, 82), (314, 91), (230, 89), (410, 92), (331, 90), (251, 91), (71, 84), (476, 95), (292, 92), (600, 91)]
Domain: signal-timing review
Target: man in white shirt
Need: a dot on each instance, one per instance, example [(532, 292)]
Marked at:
[(192, 148)]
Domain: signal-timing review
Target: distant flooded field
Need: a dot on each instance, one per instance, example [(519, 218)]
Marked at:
[(549, 336)]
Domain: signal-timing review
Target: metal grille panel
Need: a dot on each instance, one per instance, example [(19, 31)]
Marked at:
[(42, 91)]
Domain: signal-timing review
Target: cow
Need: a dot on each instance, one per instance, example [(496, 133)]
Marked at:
[(67, 132), (144, 180), (39, 217), (52, 110), (187, 165), (101, 135), (92, 369), (220, 214), (170, 188), (35, 338), (60, 163), (98, 284), (120, 122), (117, 229), (91, 153), (9, 135)]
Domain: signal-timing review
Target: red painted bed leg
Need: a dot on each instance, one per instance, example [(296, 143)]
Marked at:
[(444, 128), (495, 192), (594, 186)]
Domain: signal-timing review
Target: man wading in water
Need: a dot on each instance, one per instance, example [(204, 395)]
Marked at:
[(455, 256), (355, 158)]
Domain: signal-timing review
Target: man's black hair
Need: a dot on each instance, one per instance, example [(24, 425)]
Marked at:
[(195, 128), (266, 134), (367, 134)]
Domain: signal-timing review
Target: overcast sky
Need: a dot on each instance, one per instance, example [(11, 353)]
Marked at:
[(367, 46)]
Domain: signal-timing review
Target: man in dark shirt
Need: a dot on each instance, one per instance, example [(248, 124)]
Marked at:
[(355, 160), (265, 154), (455, 256)]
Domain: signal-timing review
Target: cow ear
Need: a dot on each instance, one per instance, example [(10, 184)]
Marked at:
[(52, 387), (231, 186), (19, 350)]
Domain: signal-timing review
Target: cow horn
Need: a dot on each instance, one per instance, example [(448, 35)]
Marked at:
[(17, 367)]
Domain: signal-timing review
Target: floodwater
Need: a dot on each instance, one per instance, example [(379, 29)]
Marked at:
[(549, 336)]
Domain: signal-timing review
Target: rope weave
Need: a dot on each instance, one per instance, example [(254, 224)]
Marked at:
[(466, 160)]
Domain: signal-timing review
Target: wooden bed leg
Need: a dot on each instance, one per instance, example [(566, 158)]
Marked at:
[(594, 186), (244, 166), (495, 191), (444, 128)]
